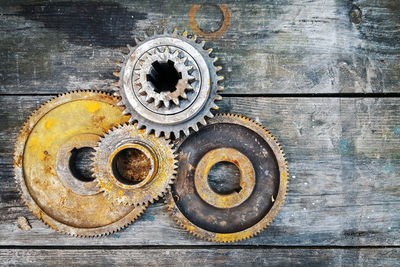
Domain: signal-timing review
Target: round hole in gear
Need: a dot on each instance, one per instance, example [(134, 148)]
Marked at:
[(163, 76), (130, 166), (78, 163), (224, 178)]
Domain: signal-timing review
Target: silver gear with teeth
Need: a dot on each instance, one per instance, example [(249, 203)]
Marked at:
[(169, 84)]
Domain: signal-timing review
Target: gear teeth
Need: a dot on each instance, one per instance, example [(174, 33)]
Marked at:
[(216, 59), (203, 121), (221, 89), (215, 107), (195, 128), (20, 142), (176, 101), (166, 101), (186, 131), (218, 97), (254, 230)]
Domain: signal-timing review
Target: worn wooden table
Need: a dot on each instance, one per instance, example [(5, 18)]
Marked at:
[(322, 75)]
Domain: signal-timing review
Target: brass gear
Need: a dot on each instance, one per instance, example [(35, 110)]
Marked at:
[(41, 165), (150, 158), (263, 180)]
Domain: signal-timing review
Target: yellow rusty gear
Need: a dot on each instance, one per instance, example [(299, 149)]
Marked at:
[(152, 158), (188, 169), (74, 119)]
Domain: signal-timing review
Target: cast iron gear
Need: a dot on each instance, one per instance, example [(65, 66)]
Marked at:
[(169, 84), (43, 173), (236, 215), (133, 167)]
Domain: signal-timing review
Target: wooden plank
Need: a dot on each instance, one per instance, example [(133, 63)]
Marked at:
[(278, 47), (344, 166), (201, 257)]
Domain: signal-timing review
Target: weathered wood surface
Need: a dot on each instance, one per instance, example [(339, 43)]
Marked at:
[(270, 47), (343, 150), (202, 257), (344, 184)]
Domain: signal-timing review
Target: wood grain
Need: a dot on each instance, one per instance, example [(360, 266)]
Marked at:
[(201, 257), (344, 163), (279, 47)]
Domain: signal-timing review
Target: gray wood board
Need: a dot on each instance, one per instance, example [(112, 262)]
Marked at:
[(270, 47), (201, 257), (344, 184)]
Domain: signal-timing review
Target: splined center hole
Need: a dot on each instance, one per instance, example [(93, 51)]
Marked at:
[(79, 163), (130, 166), (163, 76), (224, 178)]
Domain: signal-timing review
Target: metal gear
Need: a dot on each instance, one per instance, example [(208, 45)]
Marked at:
[(148, 69), (240, 214), (133, 167), (42, 169)]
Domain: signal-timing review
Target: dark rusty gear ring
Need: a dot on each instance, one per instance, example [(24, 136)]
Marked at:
[(145, 175), (41, 165), (263, 180)]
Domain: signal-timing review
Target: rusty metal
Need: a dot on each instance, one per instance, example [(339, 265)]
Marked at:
[(263, 179), (191, 100), (151, 157), (41, 160), (210, 35)]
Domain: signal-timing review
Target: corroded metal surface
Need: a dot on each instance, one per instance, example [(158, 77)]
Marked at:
[(191, 107), (157, 163), (232, 217), (68, 121)]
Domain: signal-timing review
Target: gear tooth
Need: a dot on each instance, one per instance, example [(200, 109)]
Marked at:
[(195, 128), (118, 63), (184, 96), (166, 103), (221, 89), (209, 115), (157, 102), (176, 101), (149, 99), (221, 78), (116, 93), (167, 134), (186, 131), (175, 32), (116, 84), (194, 37), (120, 103), (129, 47), (116, 73), (218, 97), (219, 68), (177, 134), (216, 59), (215, 107), (209, 50), (203, 121), (142, 92), (176, 53), (148, 130), (202, 43), (184, 34)]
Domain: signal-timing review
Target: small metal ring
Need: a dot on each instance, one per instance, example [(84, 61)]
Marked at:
[(148, 153), (212, 35), (247, 178)]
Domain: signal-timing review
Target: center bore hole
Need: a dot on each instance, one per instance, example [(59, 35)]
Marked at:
[(164, 76), (130, 166), (224, 178), (79, 163)]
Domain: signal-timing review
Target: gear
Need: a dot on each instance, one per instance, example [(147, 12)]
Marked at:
[(133, 167), (169, 84), (236, 215), (42, 165)]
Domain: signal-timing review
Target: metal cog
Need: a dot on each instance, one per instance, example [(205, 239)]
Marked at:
[(146, 88), (133, 167), (195, 91), (44, 177), (238, 215)]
